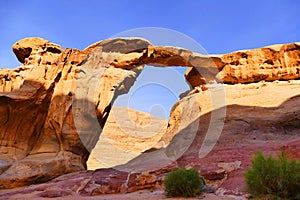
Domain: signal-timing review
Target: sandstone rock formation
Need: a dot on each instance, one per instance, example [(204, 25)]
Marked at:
[(126, 134), (255, 120), (39, 140), (276, 62), (55, 105)]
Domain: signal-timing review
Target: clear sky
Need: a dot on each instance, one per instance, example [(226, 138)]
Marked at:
[(219, 26)]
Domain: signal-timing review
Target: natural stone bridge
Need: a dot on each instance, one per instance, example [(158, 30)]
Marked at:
[(39, 137)]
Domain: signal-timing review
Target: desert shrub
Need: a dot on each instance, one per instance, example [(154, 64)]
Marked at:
[(279, 178), (184, 183)]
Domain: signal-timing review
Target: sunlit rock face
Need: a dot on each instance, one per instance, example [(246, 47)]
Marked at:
[(276, 62), (55, 105), (40, 139), (126, 134)]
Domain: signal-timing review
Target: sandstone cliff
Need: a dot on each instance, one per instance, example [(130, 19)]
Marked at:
[(55, 105)]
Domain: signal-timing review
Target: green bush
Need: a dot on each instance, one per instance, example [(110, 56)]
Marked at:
[(184, 183), (279, 178)]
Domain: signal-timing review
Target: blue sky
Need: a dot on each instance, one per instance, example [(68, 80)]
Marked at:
[(219, 26)]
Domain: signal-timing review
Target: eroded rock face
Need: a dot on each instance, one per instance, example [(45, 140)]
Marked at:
[(55, 105), (126, 134), (39, 138), (277, 62), (50, 104), (26, 48), (255, 120)]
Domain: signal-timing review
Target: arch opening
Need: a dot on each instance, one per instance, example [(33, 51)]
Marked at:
[(155, 91)]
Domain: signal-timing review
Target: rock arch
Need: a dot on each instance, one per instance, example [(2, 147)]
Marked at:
[(38, 137)]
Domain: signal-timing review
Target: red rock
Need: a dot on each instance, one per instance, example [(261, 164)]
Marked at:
[(213, 174)]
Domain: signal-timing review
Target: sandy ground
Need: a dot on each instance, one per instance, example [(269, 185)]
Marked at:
[(142, 194)]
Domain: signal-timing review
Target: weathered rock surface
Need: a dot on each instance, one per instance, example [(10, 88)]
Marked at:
[(255, 120), (39, 137), (277, 62), (126, 134), (26, 48), (55, 105)]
